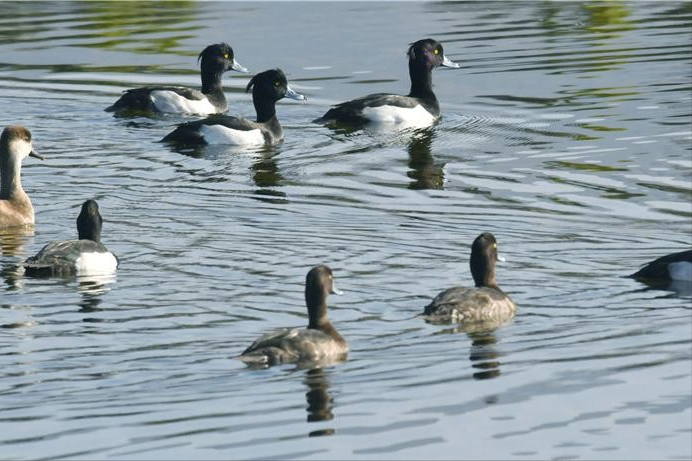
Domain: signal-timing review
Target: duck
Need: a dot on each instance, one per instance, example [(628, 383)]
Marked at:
[(85, 256), (672, 267), (318, 343), (267, 87), (485, 302), (15, 205), (420, 107), (215, 60)]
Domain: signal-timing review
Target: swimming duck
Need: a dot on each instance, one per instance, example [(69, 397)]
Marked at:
[(675, 266), (215, 60), (267, 88), (319, 342), (85, 256), (419, 107), (15, 205), (485, 302)]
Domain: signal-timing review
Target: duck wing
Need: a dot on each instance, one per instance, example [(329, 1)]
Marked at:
[(658, 268), (59, 258), (352, 111), (191, 133), (462, 304), (291, 345), (139, 99)]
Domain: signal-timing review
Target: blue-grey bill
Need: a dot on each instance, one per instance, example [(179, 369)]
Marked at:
[(293, 95), (238, 67), (449, 63), (336, 291)]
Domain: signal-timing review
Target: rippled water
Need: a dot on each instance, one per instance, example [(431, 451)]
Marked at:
[(566, 133)]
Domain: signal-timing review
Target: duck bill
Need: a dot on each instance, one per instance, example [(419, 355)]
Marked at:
[(238, 67), (335, 291), (294, 95), (35, 154), (449, 63)]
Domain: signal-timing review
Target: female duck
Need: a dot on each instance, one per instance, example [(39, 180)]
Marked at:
[(86, 256), (215, 60), (419, 107), (320, 342), (485, 302), (267, 88), (675, 266), (15, 205)]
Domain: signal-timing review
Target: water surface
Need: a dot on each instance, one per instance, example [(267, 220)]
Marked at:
[(566, 134)]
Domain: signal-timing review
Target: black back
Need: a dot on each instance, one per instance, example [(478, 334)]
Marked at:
[(658, 268)]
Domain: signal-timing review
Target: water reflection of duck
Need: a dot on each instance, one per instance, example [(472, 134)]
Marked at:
[(215, 60), (485, 302), (483, 353), (12, 241), (419, 108), (92, 289), (318, 344), (267, 177), (484, 356), (319, 402), (423, 172)]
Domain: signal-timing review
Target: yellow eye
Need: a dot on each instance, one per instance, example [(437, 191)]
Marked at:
[(330, 277), (436, 51), (225, 56), (495, 245)]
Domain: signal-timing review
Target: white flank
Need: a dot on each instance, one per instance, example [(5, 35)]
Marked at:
[(680, 271), (95, 263), (170, 101), (415, 116), (219, 134)]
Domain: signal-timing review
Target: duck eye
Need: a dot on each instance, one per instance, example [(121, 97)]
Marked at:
[(495, 245), (225, 55), (277, 83), (436, 51)]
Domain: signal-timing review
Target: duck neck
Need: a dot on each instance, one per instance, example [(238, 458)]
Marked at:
[(10, 177), (211, 81), (317, 310), (89, 232), (421, 81), (266, 110), (483, 271)]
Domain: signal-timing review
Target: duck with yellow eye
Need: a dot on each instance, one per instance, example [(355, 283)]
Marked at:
[(417, 109), (214, 61), (267, 88), (485, 303)]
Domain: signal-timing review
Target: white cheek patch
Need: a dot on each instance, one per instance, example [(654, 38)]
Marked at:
[(414, 116), (219, 134), (680, 271), (172, 102), (96, 263)]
